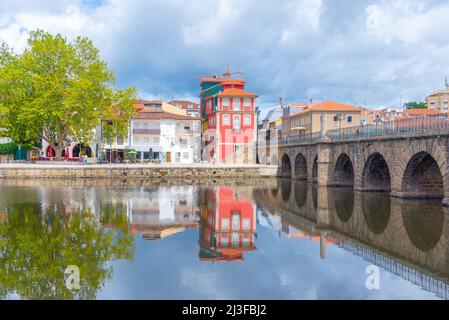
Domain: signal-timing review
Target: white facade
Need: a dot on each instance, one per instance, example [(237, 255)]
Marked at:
[(167, 140)]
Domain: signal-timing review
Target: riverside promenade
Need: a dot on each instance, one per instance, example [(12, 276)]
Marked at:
[(138, 171)]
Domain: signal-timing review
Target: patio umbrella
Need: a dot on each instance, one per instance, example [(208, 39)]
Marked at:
[(66, 153), (50, 152)]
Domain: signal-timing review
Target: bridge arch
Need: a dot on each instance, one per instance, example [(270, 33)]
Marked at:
[(423, 222), (343, 171), (315, 169), (286, 168), (300, 167), (286, 189), (344, 203), (422, 177), (376, 208), (300, 192), (376, 174)]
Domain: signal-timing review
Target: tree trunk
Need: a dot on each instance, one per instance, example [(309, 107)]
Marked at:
[(58, 151)]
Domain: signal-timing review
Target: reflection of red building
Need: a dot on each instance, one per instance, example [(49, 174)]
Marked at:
[(228, 226)]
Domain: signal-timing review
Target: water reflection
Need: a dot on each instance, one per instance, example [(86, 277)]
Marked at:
[(424, 222), (44, 228), (343, 202), (39, 240), (376, 210), (228, 225)]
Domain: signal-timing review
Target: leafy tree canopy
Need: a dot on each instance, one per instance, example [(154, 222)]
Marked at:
[(415, 105), (59, 91)]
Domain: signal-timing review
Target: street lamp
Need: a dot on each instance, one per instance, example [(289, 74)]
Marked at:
[(340, 116)]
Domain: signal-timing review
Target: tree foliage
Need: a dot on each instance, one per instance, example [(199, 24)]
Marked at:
[(59, 91), (37, 246), (415, 105)]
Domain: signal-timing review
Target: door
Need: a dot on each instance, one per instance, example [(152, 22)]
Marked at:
[(168, 156)]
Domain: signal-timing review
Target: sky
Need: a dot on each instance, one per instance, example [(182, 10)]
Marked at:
[(371, 53)]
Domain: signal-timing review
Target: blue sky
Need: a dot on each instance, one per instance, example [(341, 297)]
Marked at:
[(368, 53)]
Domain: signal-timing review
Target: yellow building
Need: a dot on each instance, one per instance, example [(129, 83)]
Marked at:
[(438, 100), (321, 117)]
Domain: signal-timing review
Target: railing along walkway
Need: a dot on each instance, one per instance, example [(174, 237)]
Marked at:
[(410, 127)]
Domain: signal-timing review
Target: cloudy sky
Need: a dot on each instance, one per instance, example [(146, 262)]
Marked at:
[(366, 52)]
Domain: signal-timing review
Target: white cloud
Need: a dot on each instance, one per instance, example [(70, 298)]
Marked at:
[(352, 51)]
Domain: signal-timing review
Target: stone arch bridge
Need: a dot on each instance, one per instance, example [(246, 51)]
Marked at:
[(405, 166)]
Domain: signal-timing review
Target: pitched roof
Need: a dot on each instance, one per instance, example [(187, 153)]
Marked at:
[(326, 106), (421, 112), (333, 106), (149, 113), (236, 93), (182, 102)]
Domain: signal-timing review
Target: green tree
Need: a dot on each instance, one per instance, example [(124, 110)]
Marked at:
[(59, 91), (36, 247), (415, 105)]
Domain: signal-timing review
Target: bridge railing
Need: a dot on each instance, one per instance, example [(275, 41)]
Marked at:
[(415, 126)]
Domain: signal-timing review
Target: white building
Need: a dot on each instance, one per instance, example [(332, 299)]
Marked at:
[(192, 109), (159, 135)]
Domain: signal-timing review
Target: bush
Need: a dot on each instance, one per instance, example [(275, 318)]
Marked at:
[(8, 148)]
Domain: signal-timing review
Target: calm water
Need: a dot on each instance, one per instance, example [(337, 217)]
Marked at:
[(245, 240)]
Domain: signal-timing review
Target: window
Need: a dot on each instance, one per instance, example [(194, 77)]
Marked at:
[(247, 120), (185, 155), (235, 221), (146, 140), (156, 140), (120, 141), (186, 127), (136, 125), (349, 119), (183, 143), (236, 104), (335, 119), (224, 224), (235, 239), (145, 125), (178, 156), (247, 102), (226, 120), (224, 241), (246, 224), (136, 140), (236, 122), (225, 102)]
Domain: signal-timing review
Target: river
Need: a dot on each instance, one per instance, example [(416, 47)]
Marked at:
[(246, 239)]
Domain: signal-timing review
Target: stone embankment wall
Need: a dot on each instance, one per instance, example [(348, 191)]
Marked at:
[(135, 171)]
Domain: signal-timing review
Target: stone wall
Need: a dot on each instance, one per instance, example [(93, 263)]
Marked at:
[(137, 172)]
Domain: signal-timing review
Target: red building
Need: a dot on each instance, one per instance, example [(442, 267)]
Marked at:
[(229, 121), (228, 226)]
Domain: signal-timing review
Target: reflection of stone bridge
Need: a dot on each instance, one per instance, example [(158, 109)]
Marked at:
[(406, 237), (408, 167)]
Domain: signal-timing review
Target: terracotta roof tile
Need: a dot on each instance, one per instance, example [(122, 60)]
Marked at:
[(148, 113), (421, 112), (236, 92)]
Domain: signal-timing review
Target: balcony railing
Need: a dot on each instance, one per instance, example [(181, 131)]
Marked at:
[(147, 131), (404, 127)]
